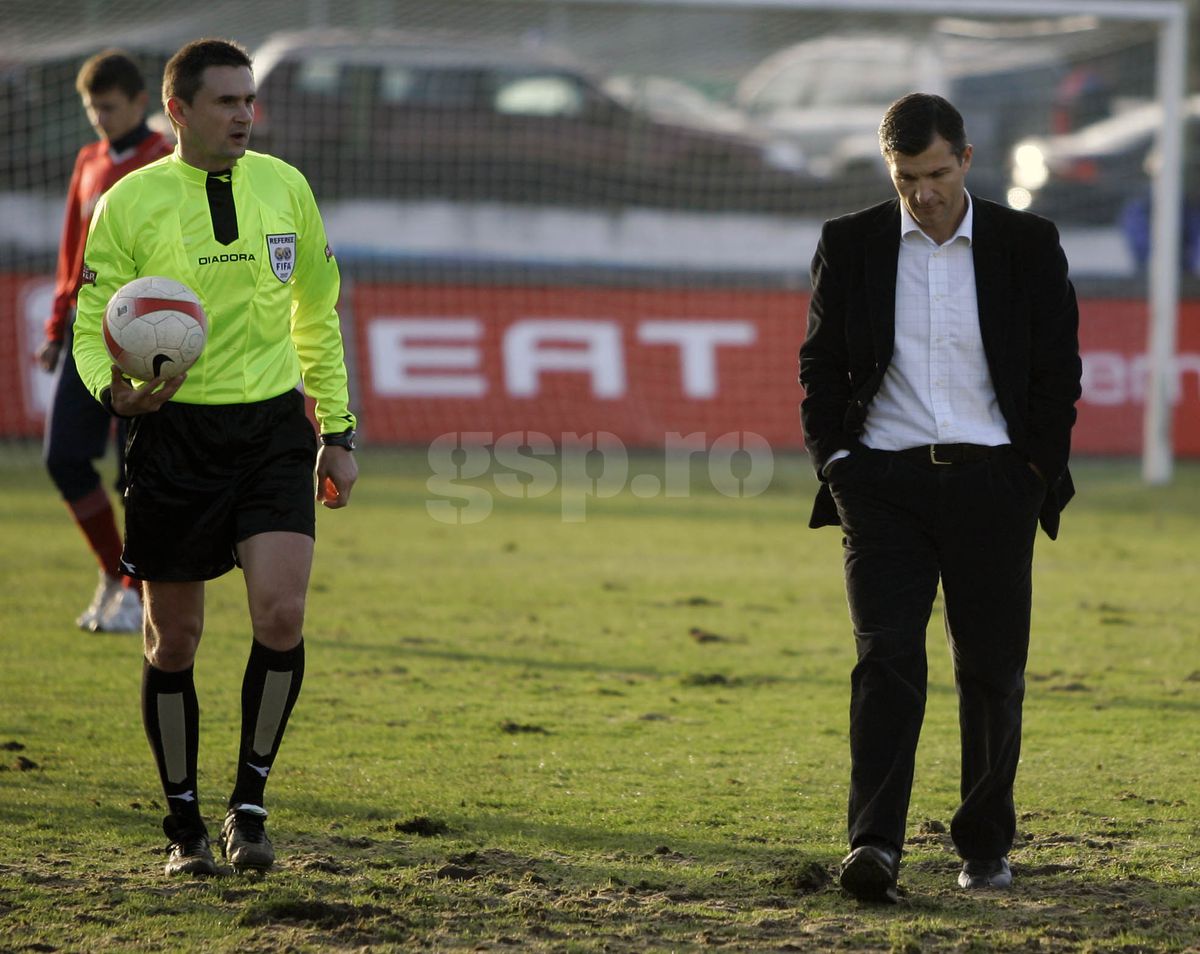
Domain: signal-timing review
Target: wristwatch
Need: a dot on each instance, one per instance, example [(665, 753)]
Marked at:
[(344, 440)]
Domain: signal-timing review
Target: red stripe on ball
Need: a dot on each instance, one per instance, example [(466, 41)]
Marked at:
[(114, 349), (144, 306)]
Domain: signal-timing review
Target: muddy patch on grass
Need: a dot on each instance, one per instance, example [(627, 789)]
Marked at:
[(311, 912), (707, 679), (316, 862), (804, 877), (423, 827), (510, 727)]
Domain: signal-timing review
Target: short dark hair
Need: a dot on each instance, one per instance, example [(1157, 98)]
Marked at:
[(110, 69), (912, 122), (184, 71)]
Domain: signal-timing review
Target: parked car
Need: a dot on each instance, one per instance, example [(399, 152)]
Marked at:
[(1089, 175), (406, 115), (674, 101), (826, 97)]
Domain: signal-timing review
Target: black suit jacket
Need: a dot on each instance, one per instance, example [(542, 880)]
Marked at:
[(1028, 318)]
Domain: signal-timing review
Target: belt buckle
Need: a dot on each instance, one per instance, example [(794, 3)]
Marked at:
[(933, 457)]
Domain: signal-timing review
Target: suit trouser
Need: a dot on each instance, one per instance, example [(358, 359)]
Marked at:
[(907, 523)]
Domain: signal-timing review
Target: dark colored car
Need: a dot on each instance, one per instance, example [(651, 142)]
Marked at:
[(397, 115)]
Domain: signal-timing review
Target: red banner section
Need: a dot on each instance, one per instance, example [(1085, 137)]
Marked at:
[(643, 363), (25, 302), (639, 363), (1112, 337)]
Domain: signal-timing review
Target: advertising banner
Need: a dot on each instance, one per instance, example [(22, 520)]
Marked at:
[(640, 363), (646, 363)]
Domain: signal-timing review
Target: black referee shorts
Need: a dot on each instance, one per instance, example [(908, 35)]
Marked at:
[(202, 478)]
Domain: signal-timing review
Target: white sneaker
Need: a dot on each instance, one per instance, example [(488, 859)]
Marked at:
[(106, 589), (121, 614)]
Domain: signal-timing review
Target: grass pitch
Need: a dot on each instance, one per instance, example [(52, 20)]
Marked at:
[(621, 734)]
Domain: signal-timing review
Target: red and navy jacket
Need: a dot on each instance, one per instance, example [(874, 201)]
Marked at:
[(97, 167)]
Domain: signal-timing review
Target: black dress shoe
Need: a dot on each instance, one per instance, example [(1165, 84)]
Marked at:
[(985, 873), (869, 873)]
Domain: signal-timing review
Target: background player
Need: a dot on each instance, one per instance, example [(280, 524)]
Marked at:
[(77, 429), (221, 460)]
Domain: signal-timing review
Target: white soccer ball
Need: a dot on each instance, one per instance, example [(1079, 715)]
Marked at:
[(154, 327)]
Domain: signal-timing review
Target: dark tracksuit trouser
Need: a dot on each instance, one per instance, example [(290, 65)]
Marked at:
[(77, 432)]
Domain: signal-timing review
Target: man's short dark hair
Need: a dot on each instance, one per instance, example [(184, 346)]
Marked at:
[(912, 122), (184, 71), (107, 70)]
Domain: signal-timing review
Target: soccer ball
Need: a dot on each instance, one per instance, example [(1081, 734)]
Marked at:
[(154, 327)]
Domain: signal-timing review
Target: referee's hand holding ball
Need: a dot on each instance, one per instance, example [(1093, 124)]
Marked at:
[(127, 401)]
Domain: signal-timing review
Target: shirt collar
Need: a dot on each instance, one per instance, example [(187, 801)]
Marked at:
[(966, 228), (191, 172), (135, 137)]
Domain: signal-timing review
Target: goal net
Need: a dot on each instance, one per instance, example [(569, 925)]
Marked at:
[(576, 217)]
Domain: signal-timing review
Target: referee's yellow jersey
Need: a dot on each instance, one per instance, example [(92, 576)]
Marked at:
[(250, 243)]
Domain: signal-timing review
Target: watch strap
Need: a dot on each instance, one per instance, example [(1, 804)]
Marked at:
[(346, 439)]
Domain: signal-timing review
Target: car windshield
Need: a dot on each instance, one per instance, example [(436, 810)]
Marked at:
[(438, 88), (545, 95), (318, 75)]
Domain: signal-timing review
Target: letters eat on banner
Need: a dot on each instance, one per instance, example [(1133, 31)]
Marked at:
[(638, 362), (644, 362)]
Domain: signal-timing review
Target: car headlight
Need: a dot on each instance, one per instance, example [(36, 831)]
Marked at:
[(1029, 166), (1019, 198)]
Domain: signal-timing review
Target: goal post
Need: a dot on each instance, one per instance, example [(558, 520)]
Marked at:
[(1157, 445)]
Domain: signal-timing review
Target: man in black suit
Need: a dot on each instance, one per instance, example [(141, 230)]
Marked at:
[(941, 370)]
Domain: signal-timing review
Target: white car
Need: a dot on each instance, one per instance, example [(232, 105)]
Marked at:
[(825, 98)]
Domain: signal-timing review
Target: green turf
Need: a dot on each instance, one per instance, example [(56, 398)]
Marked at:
[(621, 734)]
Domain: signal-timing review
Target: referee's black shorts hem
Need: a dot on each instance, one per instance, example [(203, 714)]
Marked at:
[(203, 478)]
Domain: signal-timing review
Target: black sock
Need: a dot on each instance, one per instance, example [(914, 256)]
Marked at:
[(269, 690), (171, 715)]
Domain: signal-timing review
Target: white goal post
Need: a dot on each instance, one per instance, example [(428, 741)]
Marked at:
[(1171, 18)]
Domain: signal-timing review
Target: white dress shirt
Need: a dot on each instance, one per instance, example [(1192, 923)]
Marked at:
[(937, 388)]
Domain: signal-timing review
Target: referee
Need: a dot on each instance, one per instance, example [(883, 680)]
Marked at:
[(221, 460)]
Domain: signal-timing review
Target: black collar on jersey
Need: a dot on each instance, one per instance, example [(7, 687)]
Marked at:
[(220, 206), (132, 138)]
